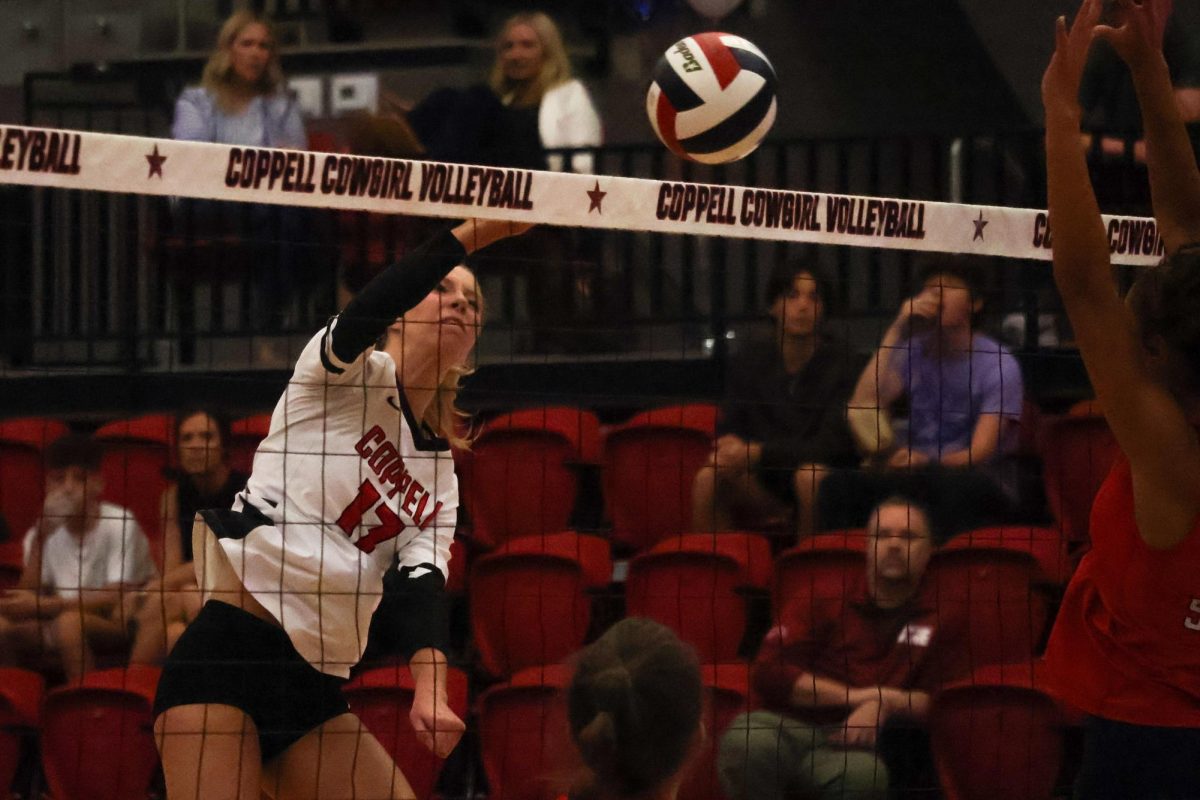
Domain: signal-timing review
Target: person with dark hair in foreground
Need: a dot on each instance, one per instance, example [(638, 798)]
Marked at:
[(634, 707), (1125, 648)]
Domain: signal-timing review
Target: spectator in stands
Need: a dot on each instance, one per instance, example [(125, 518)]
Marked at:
[(530, 103), (542, 102), (965, 396), (1125, 648), (783, 418), (634, 708), (79, 558), (243, 100), (844, 678), (205, 480)]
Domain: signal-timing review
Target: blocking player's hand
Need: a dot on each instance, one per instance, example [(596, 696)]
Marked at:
[(437, 727), (1060, 83), (1137, 36)]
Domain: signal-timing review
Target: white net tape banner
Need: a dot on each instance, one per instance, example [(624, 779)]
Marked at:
[(139, 165)]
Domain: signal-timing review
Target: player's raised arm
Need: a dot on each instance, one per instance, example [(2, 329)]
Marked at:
[(1146, 418), (1174, 179), (401, 286)]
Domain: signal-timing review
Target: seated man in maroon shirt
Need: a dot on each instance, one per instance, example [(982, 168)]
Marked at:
[(843, 679)]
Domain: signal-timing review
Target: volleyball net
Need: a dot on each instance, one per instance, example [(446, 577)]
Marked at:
[(626, 338)]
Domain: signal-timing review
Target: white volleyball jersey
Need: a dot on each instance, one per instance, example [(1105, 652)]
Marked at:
[(350, 479)]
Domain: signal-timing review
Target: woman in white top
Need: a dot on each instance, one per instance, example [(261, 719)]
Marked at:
[(531, 71)]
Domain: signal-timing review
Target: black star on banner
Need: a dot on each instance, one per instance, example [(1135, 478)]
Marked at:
[(979, 224), (156, 162), (596, 196)]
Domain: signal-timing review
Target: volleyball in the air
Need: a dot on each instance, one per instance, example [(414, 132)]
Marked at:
[(712, 98)]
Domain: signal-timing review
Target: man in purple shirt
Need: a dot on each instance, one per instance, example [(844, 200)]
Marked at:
[(964, 393)]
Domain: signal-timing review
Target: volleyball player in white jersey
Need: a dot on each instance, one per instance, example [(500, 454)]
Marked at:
[(355, 471)]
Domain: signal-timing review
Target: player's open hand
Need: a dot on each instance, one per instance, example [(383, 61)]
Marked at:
[(437, 727), (1137, 35), (1060, 83), (476, 234)]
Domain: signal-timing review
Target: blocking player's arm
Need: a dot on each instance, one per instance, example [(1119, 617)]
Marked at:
[(404, 284), (1170, 159), (1148, 423)]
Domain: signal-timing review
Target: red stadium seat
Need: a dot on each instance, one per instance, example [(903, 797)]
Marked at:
[(752, 552), (382, 698), (20, 706), (988, 598), (694, 593), (592, 552), (650, 463), (1077, 451), (822, 567), (521, 478), (996, 734), (523, 732), (12, 563), (1046, 544), (21, 477), (244, 436), (527, 609), (97, 736), (726, 694), (456, 580), (136, 454)]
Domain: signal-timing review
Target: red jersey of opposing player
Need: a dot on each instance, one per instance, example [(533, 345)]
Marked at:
[(1126, 644)]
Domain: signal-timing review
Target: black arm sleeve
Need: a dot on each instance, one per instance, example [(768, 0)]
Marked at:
[(423, 618), (393, 292)]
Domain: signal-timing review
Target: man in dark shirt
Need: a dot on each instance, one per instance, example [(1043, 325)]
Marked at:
[(840, 675), (783, 418)]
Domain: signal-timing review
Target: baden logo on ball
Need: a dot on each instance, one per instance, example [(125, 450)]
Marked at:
[(712, 98)]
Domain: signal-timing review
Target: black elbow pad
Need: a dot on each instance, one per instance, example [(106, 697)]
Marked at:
[(422, 618)]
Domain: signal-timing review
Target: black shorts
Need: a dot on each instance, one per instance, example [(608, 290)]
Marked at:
[(230, 657)]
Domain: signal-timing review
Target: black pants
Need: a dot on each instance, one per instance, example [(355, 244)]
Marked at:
[(1138, 762)]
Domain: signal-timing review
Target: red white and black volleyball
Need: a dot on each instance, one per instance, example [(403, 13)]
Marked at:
[(712, 97)]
